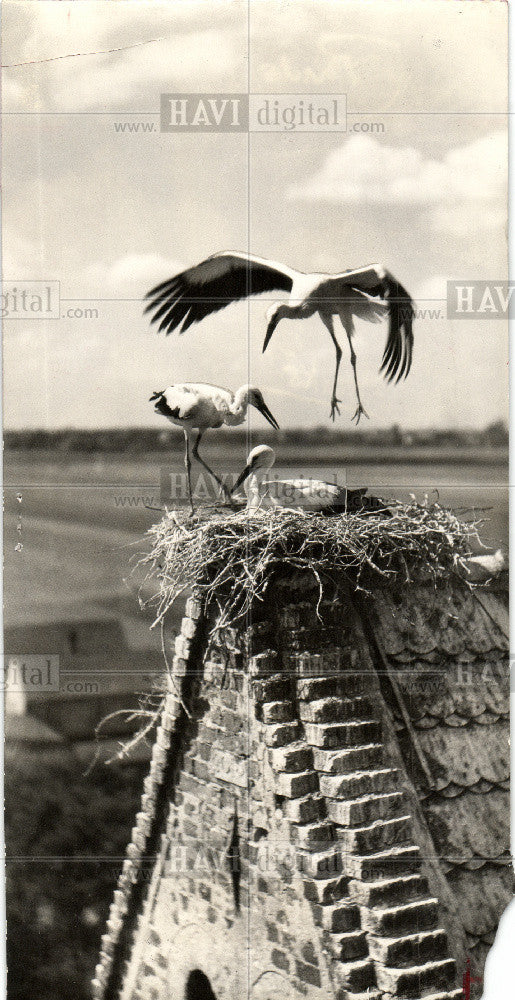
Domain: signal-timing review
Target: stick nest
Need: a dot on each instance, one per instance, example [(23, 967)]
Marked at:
[(229, 558)]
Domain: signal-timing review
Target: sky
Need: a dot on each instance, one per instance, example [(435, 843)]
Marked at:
[(416, 183)]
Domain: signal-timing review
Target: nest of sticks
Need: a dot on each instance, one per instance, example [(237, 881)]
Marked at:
[(229, 558)]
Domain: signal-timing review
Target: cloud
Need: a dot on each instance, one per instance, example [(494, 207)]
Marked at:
[(395, 56), (364, 170), (183, 52), (135, 271), (464, 189)]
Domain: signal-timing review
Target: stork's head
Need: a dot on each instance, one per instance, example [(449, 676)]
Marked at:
[(272, 311), (261, 459), (254, 397)]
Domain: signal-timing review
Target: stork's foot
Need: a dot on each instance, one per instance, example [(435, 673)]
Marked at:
[(360, 412), (335, 409)]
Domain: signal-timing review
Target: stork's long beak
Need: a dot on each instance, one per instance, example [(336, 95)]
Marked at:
[(263, 408), (269, 331), (268, 335), (242, 476)]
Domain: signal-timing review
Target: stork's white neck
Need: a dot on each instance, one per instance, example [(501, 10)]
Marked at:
[(237, 410), (257, 493)]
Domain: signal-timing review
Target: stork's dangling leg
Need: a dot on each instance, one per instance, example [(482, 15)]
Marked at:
[(223, 488), (348, 326), (327, 320), (187, 462)]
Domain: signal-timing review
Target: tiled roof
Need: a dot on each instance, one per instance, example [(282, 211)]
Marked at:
[(480, 895), (424, 623), (478, 690), (465, 757), (447, 650), (471, 827)]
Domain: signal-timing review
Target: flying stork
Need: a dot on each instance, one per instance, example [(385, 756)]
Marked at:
[(369, 293), (313, 494), (198, 406)]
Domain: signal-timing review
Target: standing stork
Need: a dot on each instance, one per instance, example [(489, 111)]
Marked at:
[(369, 293), (198, 406)]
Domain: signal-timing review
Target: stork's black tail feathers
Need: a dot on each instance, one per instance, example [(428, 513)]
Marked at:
[(354, 502), (398, 352)]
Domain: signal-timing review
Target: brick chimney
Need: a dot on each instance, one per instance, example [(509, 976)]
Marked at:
[(290, 842)]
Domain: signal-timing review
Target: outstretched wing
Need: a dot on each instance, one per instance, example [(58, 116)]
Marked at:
[(378, 284), (211, 285), (398, 352)]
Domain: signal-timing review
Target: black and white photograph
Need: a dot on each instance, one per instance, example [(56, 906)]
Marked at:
[(255, 310)]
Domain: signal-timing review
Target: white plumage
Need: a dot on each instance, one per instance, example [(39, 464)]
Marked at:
[(369, 293), (198, 406), (313, 494), (481, 567)]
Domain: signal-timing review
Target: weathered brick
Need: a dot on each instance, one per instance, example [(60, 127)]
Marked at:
[(263, 664), (384, 864), (213, 672), (312, 834), (296, 784), (280, 959), (358, 975), (336, 709), (346, 734), (337, 684), (420, 915), (278, 711), (348, 760), (296, 757), (271, 932), (193, 608), (352, 945), (182, 647), (304, 810), (188, 627), (320, 864), (337, 918), (358, 812), (413, 949), (180, 666), (275, 688), (308, 973), (415, 981), (351, 786), (383, 833), (189, 829), (308, 953), (388, 892), (280, 735), (231, 700), (314, 664), (190, 784), (232, 722), (326, 890)]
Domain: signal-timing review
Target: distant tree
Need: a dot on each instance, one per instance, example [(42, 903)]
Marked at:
[(497, 433)]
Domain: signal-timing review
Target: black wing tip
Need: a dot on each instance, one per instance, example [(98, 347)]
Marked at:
[(398, 352)]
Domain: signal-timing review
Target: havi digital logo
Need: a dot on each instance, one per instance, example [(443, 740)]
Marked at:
[(204, 112)]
